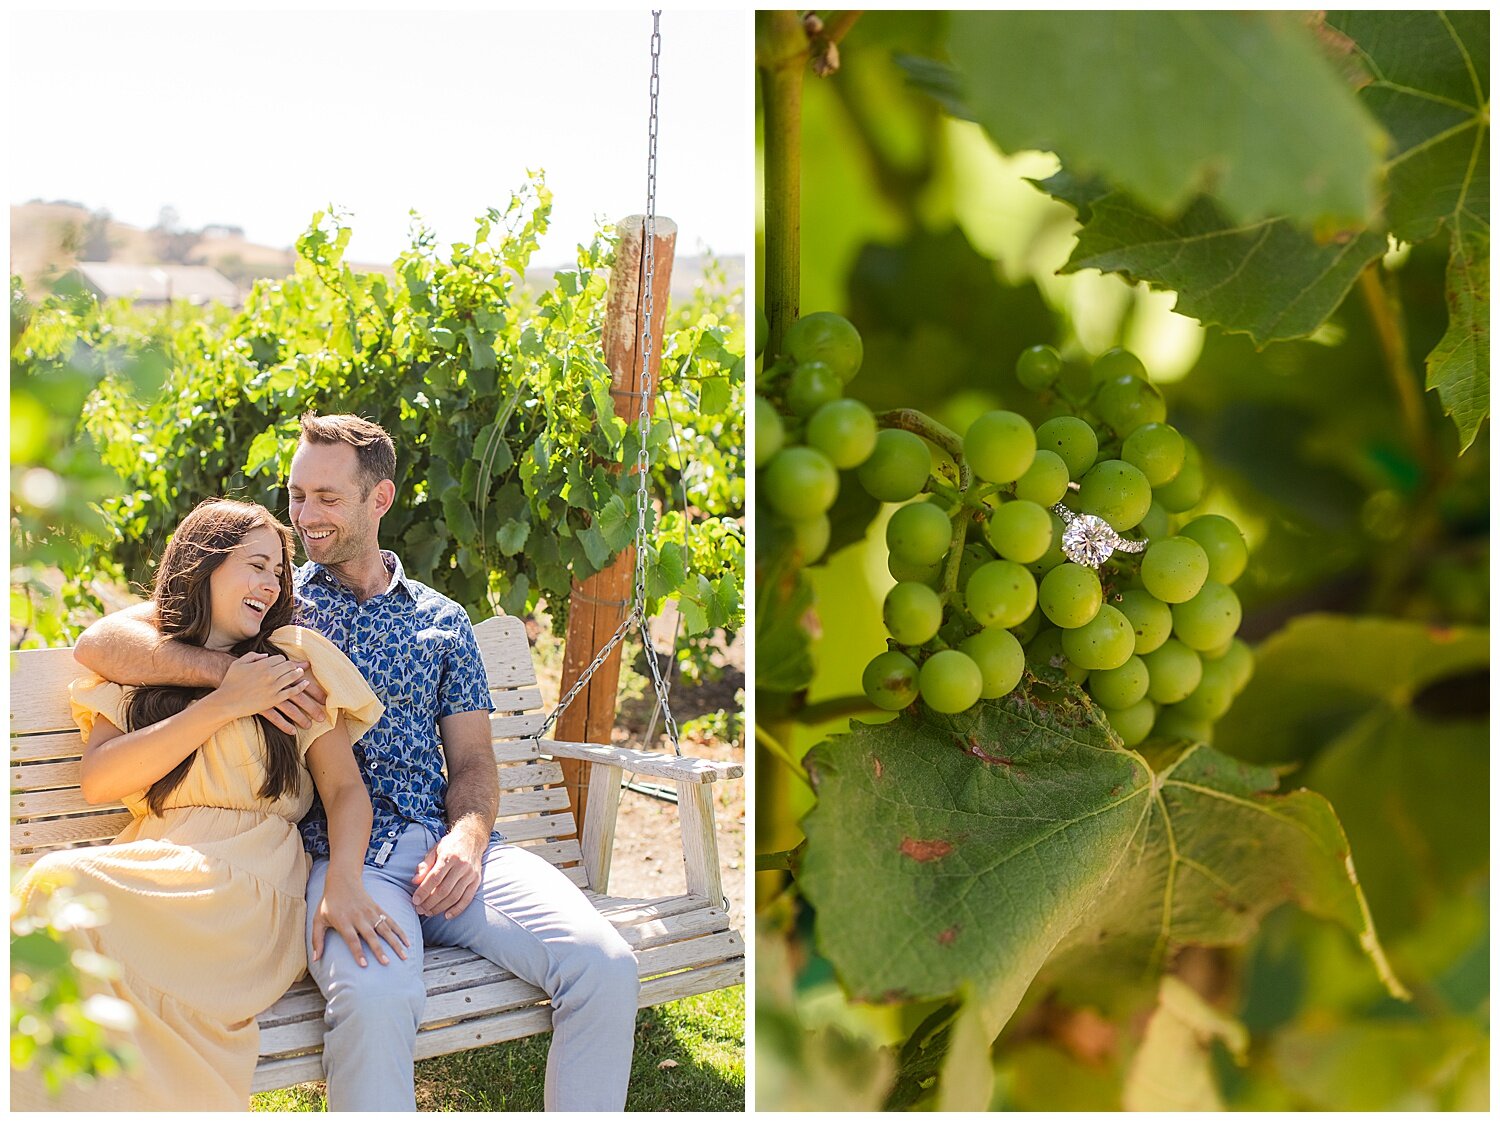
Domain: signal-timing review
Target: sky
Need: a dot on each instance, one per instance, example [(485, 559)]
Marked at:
[(258, 119)]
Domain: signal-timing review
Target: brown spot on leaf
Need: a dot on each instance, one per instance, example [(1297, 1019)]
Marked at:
[(932, 850), (945, 938), (879, 767)]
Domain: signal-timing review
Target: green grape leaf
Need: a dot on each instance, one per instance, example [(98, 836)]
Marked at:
[(1350, 698), (1209, 112), (666, 571), (1459, 366), (1268, 279), (1428, 84), (614, 523), (511, 537), (714, 395), (948, 852)]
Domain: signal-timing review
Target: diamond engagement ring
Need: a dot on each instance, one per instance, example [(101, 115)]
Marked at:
[(382, 919), (1089, 540)]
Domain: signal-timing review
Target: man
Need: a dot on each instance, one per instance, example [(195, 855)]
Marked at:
[(434, 865)]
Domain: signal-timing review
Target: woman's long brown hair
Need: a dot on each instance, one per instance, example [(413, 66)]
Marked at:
[(184, 611)]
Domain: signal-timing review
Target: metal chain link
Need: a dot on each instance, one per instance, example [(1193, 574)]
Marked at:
[(637, 614)]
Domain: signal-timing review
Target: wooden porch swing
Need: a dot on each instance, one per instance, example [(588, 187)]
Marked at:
[(684, 944)]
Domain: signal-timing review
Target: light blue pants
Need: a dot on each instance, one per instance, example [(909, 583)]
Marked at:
[(526, 917)]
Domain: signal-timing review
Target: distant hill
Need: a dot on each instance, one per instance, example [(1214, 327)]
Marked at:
[(49, 238)]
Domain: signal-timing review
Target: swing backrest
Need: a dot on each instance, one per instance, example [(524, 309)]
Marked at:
[(48, 811)]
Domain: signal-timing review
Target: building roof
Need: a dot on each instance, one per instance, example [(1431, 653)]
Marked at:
[(157, 284)]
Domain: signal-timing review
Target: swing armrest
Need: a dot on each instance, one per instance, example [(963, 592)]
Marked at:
[(681, 769)]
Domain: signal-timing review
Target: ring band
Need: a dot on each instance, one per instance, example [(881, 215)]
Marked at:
[(382, 919)]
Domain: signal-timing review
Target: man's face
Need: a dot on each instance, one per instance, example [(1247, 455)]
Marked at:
[(334, 518)]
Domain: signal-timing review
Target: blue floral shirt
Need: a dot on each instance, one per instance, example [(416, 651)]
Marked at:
[(416, 649)]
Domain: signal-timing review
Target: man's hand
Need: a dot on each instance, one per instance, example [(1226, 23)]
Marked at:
[(449, 875), (302, 710)]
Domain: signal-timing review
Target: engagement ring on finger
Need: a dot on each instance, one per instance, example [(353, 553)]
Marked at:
[(379, 921), (1089, 540)]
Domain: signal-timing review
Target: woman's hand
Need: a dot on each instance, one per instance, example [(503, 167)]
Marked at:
[(256, 682), (347, 908)]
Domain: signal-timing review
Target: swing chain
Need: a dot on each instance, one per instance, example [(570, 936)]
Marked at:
[(637, 614)]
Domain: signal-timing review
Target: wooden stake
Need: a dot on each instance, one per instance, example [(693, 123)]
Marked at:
[(599, 603)]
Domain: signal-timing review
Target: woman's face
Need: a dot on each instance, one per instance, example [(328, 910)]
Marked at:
[(243, 588)]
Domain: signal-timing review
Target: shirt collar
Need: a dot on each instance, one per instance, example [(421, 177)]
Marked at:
[(316, 572)]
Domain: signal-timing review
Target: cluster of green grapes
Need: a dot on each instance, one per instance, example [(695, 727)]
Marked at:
[(990, 577)]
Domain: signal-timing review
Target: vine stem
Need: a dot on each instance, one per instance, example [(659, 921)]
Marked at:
[(1390, 329), (782, 59), (914, 420)]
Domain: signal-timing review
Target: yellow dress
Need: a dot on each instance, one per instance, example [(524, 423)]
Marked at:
[(205, 901)]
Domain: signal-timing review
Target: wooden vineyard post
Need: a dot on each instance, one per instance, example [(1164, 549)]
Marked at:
[(598, 604)]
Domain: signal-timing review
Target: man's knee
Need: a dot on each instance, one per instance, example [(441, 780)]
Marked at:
[(605, 965)]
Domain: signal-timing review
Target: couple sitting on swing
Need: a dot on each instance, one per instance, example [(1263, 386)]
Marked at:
[(225, 713)]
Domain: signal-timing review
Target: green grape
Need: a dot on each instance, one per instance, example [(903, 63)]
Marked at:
[(913, 613), (1038, 367), (1045, 482), (1046, 652), (800, 483), (999, 446), (826, 337), (1114, 363), (1174, 569), (762, 331), (1054, 555), (904, 570), (1209, 619), (1121, 686), (950, 682), (1020, 531), (1000, 594), (1125, 404), (1186, 491), (1175, 670), (1214, 695), (1241, 661), (1173, 724), (1116, 492), (974, 555), (1070, 595), (890, 681), (844, 431), (1105, 642), (919, 533), (770, 433), (1221, 540), (1133, 723), (1157, 523), (1000, 659), (813, 385), (812, 536), (1072, 440), (1157, 449), (1151, 619), (1026, 630), (898, 466)]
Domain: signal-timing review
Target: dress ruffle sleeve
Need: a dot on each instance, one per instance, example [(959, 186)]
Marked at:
[(92, 697), (349, 696)]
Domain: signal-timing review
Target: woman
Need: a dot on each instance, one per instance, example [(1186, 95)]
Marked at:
[(205, 887)]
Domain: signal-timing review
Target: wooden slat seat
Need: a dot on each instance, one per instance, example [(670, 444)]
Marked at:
[(684, 944)]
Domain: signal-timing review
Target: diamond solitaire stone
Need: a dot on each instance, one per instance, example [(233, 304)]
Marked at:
[(1089, 540)]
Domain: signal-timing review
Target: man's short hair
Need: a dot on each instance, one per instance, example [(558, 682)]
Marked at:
[(371, 443)]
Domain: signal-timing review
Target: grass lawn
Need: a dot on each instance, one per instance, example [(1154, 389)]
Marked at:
[(703, 1036)]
